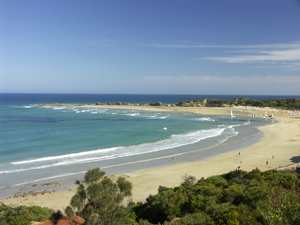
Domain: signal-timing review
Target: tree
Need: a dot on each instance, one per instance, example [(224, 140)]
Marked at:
[(163, 206), (196, 218), (99, 200), (217, 181), (281, 207), (22, 215), (188, 180)]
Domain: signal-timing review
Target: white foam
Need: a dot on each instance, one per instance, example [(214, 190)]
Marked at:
[(50, 158), (163, 117), (133, 114), (22, 107), (111, 153), (61, 163), (102, 111), (233, 133), (58, 108), (104, 167), (204, 119), (156, 116), (209, 133)]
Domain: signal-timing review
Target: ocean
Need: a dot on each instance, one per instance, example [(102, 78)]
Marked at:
[(45, 144)]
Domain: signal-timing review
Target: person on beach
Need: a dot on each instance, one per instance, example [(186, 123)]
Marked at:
[(267, 162), (241, 162)]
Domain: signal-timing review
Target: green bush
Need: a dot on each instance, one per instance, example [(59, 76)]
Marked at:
[(99, 201), (254, 174), (22, 215), (17, 216), (197, 218), (38, 213), (282, 206), (236, 176), (237, 197), (217, 181)]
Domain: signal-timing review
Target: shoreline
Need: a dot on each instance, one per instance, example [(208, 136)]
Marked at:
[(281, 139)]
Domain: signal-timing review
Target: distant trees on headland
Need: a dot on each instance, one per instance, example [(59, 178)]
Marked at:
[(290, 103)]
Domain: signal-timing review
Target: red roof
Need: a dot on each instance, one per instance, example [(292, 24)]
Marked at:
[(63, 221)]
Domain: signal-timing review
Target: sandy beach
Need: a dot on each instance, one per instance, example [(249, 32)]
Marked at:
[(279, 145)]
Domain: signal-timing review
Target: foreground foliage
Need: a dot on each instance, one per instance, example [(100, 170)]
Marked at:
[(23, 215), (99, 200), (235, 198)]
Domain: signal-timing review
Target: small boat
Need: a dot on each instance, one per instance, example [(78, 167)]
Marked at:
[(231, 114)]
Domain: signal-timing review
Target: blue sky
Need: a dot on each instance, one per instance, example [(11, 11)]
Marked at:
[(150, 46)]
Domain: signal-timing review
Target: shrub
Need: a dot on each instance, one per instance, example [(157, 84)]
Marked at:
[(197, 218), (236, 176), (217, 181), (233, 194), (254, 174), (17, 216), (281, 207), (38, 213), (100, 200), (188, 180), (162, 188)]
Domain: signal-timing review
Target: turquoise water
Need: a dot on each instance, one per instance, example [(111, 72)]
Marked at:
[(39, 144)]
